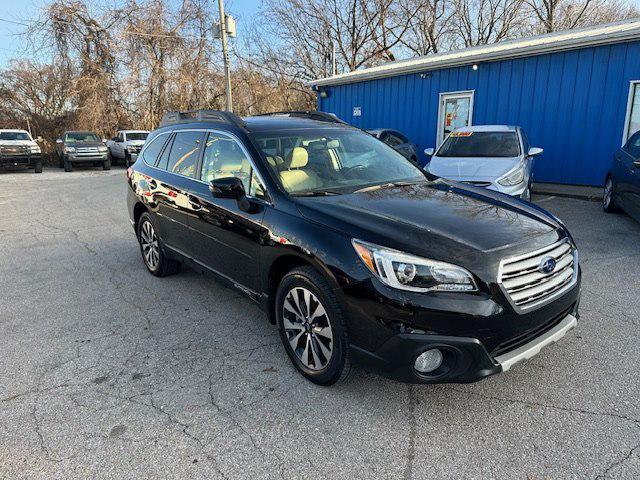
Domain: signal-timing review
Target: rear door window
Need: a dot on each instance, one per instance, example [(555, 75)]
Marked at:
[(183, 158)]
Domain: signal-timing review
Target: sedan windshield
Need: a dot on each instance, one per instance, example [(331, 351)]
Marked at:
[(80, 137), (333, 160), (137, 136), (14, 136), (480, 144)]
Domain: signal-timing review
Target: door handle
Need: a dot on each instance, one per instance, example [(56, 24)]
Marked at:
[(194, 202)]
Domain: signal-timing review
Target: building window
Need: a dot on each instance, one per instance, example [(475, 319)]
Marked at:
[(632, 122)]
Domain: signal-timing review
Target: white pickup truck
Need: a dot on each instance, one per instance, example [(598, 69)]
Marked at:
[(17, 147), (125, 143)]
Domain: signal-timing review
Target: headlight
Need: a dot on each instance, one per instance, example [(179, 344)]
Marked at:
[(69, 150), (408, 272), (512, 178), (102, 149), (34, 149)]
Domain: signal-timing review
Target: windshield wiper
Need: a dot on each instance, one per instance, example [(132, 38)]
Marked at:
[(316, 193), (384, 185)]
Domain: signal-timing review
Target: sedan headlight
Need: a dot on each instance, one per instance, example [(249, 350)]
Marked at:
[(513, 178), (416, 274), (69, 150)]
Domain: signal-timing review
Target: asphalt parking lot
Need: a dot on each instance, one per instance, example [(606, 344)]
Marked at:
[(109, 372)]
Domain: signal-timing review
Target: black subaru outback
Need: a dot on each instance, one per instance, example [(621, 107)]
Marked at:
[(350, 250)]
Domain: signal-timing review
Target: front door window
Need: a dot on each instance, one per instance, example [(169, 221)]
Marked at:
[(455, 112), (633, 112)]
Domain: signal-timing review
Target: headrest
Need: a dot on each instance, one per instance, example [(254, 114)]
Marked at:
[(299, 158)]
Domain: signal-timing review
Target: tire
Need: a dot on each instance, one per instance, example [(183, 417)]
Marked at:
[(608, 196), (60, 162), (106, 165), (68, 166), (154, 258), (326, 355), (526, 194), (37, 168), (127, 160)]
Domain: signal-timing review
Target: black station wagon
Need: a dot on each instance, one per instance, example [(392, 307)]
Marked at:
[(350, 249)]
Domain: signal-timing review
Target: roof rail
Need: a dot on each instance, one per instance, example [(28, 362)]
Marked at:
[(170, 118), (311, 114)]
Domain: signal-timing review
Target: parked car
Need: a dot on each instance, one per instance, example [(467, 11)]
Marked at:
[(351, 250), (497, 157), (82, 148), (125, 144), (398, 142), (622, 185), (18, 148)]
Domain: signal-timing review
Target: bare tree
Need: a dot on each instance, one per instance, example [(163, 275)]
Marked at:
[(430, 25), (553, 15), (479, 22)]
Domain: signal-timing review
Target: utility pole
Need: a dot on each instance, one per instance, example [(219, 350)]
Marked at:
[(225, 53)]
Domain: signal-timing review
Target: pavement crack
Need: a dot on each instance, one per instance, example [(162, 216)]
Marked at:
[(617, 463)]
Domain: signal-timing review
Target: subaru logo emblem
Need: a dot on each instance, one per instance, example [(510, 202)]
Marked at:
[(547, 265)]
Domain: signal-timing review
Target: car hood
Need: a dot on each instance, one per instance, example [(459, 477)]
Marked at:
[(439, 219), (471, 168), (17, 142)]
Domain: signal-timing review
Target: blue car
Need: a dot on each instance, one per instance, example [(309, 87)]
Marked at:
[(622, 186)]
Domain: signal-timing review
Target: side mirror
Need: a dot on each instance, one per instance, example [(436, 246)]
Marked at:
[(429, 152), (227, 187), (59, 141), (533, 151)]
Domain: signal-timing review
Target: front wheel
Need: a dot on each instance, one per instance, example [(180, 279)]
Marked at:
[(106, 165), (526, 195), (311, 326), (608, 202), (68, 166), (38, 167), (154, 258)]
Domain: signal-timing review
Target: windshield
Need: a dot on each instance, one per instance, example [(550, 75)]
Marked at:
[(137, 136), (14, 136), (333, 160), (80, 137), (480, 144)]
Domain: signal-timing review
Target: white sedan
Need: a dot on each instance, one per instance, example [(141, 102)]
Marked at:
[(497, 157)]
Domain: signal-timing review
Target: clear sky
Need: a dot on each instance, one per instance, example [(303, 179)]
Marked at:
[(25, 10)]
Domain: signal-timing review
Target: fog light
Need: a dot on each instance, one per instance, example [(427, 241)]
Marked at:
[(428, 361)]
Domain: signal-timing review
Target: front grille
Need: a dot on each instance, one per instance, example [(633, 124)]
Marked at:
[(15, 150), (91, 150), (525, 338), (478, 184), (527, 285)]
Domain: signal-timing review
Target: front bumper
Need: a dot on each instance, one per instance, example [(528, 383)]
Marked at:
[(17, 160), (79, 158), (465, 359)]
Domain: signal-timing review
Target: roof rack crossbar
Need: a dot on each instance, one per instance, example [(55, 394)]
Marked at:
[(170, 118), (311, 114)]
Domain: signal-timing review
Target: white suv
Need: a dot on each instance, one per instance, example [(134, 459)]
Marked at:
[(18, 148), (126, 143)]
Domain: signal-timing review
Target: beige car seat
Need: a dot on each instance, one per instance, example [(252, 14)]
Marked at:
[(296, 178)]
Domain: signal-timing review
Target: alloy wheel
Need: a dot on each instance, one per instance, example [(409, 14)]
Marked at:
[(149, 243), (308, 328)]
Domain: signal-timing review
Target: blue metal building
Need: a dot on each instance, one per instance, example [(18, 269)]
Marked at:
[(575, 93)]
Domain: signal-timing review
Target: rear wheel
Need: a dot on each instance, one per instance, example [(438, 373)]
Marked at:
[(608, 202), (151, 248), (311, 326)]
